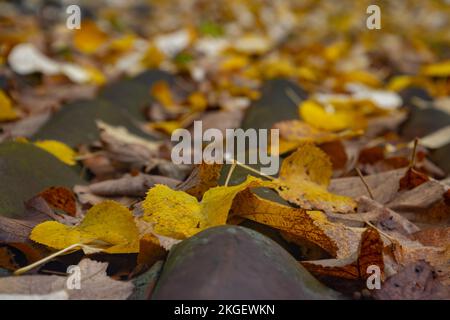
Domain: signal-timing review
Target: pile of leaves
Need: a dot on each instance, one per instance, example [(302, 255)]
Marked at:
[(363, 117)]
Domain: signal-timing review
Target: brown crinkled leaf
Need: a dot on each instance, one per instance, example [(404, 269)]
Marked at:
[(416, 281), (304, 178), (384, 185), (60, 198), (130, 186), (436, 237), (424, 204), (334, 271), (386, 219), (335, 238), (127, 151), (412, 179), (201, 179), (95, 284), (407, 251)]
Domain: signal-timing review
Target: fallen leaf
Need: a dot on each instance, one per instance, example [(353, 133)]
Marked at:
[(416, 281), (89, 38), (317, 116), (130, 186), (108, 222), (304, 177), (412, 179), (59, 150), (6, 109), (384, 185), (335, 238), (295, 132), (95, 284), (179, 215), (202, 178), (60, 198), (351, 274)]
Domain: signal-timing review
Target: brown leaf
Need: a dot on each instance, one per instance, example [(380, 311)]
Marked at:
[(60, 198), (201, 179), (335, 238), (436, 237), (95, 284), (383, 185), (130, 186), (416, 281), (337, 272), (412, 179)]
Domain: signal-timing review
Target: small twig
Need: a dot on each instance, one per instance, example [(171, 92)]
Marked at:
[(412, 162), (371, 196), (88, 155), (365, 183), (252, 170), (48, 258), (54, 272), (230, 172), (295, 98)]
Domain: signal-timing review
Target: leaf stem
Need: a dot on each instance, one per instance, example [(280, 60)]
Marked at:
[(365, 183)]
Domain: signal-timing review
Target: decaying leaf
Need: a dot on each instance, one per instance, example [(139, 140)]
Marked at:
[(95, 284), (304, 179), (416, 281), (335, 238), (317, 116), (201, 179), (60, 198), (354, 271)]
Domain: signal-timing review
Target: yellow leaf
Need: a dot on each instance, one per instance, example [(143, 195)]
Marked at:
[(89, 38), (6, 110), (197, 101), (304, 178), (179, 215), (60, 150), (317, 116), (441, 69), (233, 63), (398, 83), (153, 57), (161, 92), (335, 238), (108, 222)]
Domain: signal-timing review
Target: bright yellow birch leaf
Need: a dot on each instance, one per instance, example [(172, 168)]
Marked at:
[(89, 38), (6, 109), (440, 69), (317, 116), (108, 222), (60, 150), (197, 101), (161, 92), (179, 215), (335, 238), (304, 178)]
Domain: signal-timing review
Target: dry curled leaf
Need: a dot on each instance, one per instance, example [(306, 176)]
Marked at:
[(94, 282), (201, 179), (335, 238), (354, 271)]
